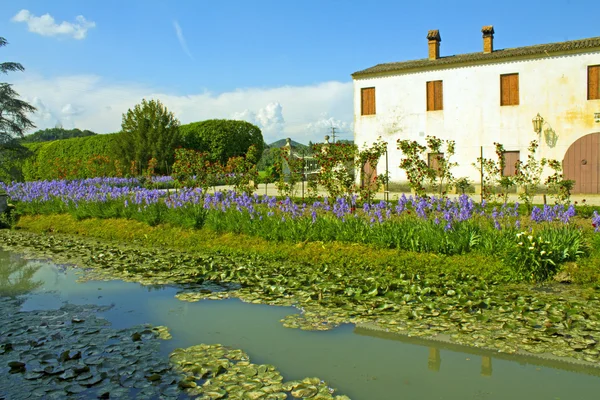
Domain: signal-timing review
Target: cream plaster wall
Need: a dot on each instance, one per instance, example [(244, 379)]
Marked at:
[(553, 86)]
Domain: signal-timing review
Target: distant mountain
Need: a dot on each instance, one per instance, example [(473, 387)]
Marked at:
[(295, 145)]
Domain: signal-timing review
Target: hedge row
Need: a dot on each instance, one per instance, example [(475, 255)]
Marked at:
[(47, 157)]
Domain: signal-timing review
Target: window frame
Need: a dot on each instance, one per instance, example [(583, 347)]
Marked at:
[(511, 101), (363, 107), (434, 102)]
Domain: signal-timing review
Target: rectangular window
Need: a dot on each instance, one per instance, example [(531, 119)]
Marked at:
[(433, 161), (435, 96), (509, 90), (510, 160), (594, 82), (367, 101)]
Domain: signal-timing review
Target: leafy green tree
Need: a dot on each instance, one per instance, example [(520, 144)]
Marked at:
[(46, 135), (223, 138), (13, 121), (148, 131)]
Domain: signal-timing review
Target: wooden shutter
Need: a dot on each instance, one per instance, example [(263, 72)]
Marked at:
[(430, 96), (510, 159), (435, 96), (439, 95), (594, 82), (367, 101), (514, 89), (509, 90)]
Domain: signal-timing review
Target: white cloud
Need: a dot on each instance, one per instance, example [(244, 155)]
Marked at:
[(89, 102), (46, 26), (269, 119), (70, 109), (181, 39), (323, 126)]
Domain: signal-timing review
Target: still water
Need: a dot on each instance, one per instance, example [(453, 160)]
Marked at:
[(363, 364)]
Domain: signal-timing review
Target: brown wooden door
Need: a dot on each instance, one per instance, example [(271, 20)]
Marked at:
[(369, 174), (582, 164)]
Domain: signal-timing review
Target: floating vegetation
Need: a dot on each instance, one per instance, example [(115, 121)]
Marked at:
[(552, 319), (53, 354), (68, 352), (217, 372)]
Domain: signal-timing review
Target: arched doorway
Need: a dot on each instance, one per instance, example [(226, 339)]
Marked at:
[(582, 164)]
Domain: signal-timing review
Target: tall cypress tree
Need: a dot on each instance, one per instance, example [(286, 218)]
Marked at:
[(13, 121)]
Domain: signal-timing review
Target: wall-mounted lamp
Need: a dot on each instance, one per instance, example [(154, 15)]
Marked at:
[(597, 117), (538, 121)]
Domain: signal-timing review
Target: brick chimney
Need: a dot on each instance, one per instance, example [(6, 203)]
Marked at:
[(434, 39), (488, 38)]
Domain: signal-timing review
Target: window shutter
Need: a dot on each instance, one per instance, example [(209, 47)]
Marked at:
[(373, 110), (514, 89), (367, 99), (439, 95), (594, 82), (430, 97)]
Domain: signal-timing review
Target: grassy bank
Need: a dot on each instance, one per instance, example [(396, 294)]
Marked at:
[(418, 294), (206, 241)]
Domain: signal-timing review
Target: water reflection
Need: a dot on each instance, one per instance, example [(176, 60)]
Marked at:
[(434, 358), (434, 361), (360, 362), (16, 276)]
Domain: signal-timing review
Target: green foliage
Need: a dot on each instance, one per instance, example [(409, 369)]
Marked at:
[(417, 169), (558, 187), (336, 168), (83, 157), (463, 185), (13, 111), (371, 182), (267, 159), (148, 131), (222, 138), (13, 124), (528, 175), (536, 256), (445, 149), (287, 172), (241, 171), (50, 134)]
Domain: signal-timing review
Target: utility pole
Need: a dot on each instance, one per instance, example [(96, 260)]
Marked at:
[(333, 128)]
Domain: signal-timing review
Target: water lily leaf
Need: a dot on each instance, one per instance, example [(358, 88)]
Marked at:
[(304, 391)]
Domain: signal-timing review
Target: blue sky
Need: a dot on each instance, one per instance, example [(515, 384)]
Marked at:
[(284, 65)]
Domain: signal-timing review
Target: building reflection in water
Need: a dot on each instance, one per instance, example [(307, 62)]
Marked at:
[(434, 362)]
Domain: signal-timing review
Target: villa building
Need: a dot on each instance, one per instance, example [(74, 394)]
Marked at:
[(489, 96)]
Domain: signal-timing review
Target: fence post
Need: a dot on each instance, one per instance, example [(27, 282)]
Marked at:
[(481, 171), (387, 177)]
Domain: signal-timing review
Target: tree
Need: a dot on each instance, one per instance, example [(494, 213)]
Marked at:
[(56, 133), (148, 131), (13, 120), (223, 139)]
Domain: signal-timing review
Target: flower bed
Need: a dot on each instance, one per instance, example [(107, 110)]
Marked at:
[(422, 224)]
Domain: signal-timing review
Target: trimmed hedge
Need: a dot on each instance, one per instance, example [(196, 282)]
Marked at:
[(222, 138), (47, 156)]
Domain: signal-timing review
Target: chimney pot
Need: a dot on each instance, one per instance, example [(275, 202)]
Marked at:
[(488, 38), (434, 39)]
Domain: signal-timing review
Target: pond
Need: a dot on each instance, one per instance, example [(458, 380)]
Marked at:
[(359, 362)]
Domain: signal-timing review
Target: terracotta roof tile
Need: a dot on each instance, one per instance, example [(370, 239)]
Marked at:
[(496, 55)]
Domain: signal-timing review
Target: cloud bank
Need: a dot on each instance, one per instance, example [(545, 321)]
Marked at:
[(89, 102), (46, 26)]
